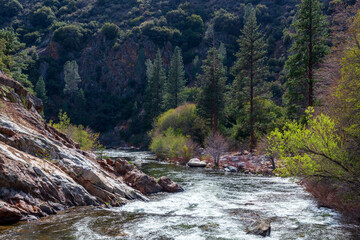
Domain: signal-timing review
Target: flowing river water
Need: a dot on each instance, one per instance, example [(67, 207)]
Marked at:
[(213, 206)]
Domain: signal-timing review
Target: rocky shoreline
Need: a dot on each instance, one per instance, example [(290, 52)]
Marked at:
[(244, 162), (42, 171)]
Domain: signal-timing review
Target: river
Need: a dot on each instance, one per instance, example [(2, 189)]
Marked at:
[(213, 206)]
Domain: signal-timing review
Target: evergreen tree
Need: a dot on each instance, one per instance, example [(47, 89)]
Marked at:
[(156, 77), (249, 70), (40, 89), (71, 77), (175, 82), (307, 51), (212, 80), (80, 104)]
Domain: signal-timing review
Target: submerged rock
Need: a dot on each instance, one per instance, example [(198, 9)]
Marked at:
[(195, 162), (260, 227)]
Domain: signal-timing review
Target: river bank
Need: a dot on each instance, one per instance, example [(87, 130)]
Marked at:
[(214, 205)]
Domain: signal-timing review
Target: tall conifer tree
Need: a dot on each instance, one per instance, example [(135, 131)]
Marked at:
[(175, 82), (40, 89), (213, 80), (307, 51), (249, 70), (156, 77)]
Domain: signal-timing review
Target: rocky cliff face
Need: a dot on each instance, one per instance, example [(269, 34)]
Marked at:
[(42, 171)]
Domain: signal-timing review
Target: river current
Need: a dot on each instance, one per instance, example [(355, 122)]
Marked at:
[(213, 206)]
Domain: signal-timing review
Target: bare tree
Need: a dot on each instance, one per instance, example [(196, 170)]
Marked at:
[(216, 145)]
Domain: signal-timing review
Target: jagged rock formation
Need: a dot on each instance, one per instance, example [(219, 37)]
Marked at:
[(42, 170)]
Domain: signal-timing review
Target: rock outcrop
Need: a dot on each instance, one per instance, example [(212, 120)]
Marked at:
[(43, 171)]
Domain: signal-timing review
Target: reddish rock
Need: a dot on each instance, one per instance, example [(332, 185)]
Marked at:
[(169, 186), (8, 214)]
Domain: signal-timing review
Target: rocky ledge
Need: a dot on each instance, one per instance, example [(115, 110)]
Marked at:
[(42, 171)]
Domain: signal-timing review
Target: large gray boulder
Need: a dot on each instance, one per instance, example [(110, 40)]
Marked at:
[(195, 162)]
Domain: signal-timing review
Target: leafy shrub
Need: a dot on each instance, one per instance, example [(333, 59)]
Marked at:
[(268, 117), (31, 38), (316, 151), (10, 8), (43, 17), (70, 36), (88, 140), (110, 30), (173, 145), (182, 120)]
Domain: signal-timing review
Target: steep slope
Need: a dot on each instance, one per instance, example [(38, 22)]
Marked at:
[(42, 171)]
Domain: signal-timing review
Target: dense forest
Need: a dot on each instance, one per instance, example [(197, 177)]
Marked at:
[(276, 77)]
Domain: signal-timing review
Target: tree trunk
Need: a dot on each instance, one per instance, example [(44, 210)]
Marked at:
[(215, 120), (310, 63), (252, 122)]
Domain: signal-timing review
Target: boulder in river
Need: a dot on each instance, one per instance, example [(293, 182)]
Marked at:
[(169, 186), (260, 227), (231, 169), (195, 162)]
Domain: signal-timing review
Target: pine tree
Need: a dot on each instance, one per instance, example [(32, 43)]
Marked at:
[(307, 51), (40, 89), (175, 82), (156, 77), (71, 77), (249, 70), (212, 80)]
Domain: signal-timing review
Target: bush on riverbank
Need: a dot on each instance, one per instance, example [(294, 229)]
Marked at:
[(184, 121), (174, 146), (88, 140)]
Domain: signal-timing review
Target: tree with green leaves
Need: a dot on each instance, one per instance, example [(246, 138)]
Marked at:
[(213, 81), (71, 77), (308, 49), (40, 89), (14, 59), (175, 82), (250, 69), (156, 77)]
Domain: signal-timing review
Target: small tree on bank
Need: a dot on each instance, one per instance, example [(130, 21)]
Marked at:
[(216, 145)]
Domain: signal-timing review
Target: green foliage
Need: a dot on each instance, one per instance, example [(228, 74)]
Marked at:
[(110, 30), (314, 151), (226, 22), (183, 120), (173, 146), (71, 37), (249, 70), (40, 89), (43, 17), (212, 80), (307, 51), (71, 77), (267, 117), (156, 77), (190, 94), (88, 140), (175, 82), (10, 8), (14, 60)]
